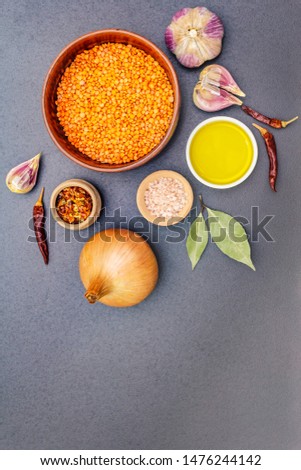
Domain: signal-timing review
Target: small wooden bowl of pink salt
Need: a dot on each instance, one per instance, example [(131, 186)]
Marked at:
[(164, 197)]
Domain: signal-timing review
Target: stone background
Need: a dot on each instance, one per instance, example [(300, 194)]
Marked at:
[(212, 359)]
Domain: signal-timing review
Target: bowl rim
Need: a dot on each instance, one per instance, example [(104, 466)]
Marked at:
[(147, 214), (173, 123), (254, 156), (96, 207)]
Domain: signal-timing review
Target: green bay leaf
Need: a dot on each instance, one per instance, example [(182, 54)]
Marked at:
[(197, 240), (230, 237)]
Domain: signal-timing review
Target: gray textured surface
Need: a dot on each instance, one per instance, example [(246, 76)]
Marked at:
[(212, 359)]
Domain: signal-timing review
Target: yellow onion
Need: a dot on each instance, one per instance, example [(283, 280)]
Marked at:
[(118, 268)]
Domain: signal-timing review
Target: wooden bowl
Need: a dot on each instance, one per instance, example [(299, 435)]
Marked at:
[(65, 58), (96, 204), (147, 214)]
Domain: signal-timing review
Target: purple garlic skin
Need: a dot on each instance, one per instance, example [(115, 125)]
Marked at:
[(215, 89), (22, 178), (194, 36)]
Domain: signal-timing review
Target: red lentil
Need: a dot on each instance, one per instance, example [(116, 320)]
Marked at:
[(115, 103)]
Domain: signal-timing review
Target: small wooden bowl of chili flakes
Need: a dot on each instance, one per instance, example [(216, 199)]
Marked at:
[(75, 204)]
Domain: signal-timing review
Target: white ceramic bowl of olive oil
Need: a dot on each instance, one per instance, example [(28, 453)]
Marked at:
[(221, 152)]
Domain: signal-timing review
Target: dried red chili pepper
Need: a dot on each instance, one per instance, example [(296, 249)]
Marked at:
[(276, 123), (39, 226), (272, 153)]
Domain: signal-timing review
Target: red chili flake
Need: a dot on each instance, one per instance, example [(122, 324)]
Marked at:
[(74, 204)]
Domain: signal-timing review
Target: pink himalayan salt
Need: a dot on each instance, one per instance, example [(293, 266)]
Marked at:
[(165, 197)]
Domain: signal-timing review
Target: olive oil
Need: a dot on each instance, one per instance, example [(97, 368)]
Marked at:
[(221, 152)]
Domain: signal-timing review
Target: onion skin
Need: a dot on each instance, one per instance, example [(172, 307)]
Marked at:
[(118, 268)]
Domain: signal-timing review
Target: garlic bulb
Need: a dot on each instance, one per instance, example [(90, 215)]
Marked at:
[(118, 268), (23, 177), (215, 89), (194, 36)]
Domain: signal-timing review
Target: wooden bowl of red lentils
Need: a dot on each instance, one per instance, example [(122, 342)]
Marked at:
[(111, 100)]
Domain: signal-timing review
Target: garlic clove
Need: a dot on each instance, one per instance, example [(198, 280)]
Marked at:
[(22, 178), (194, 36), (213, 102), (218, 76), (216, 89)]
